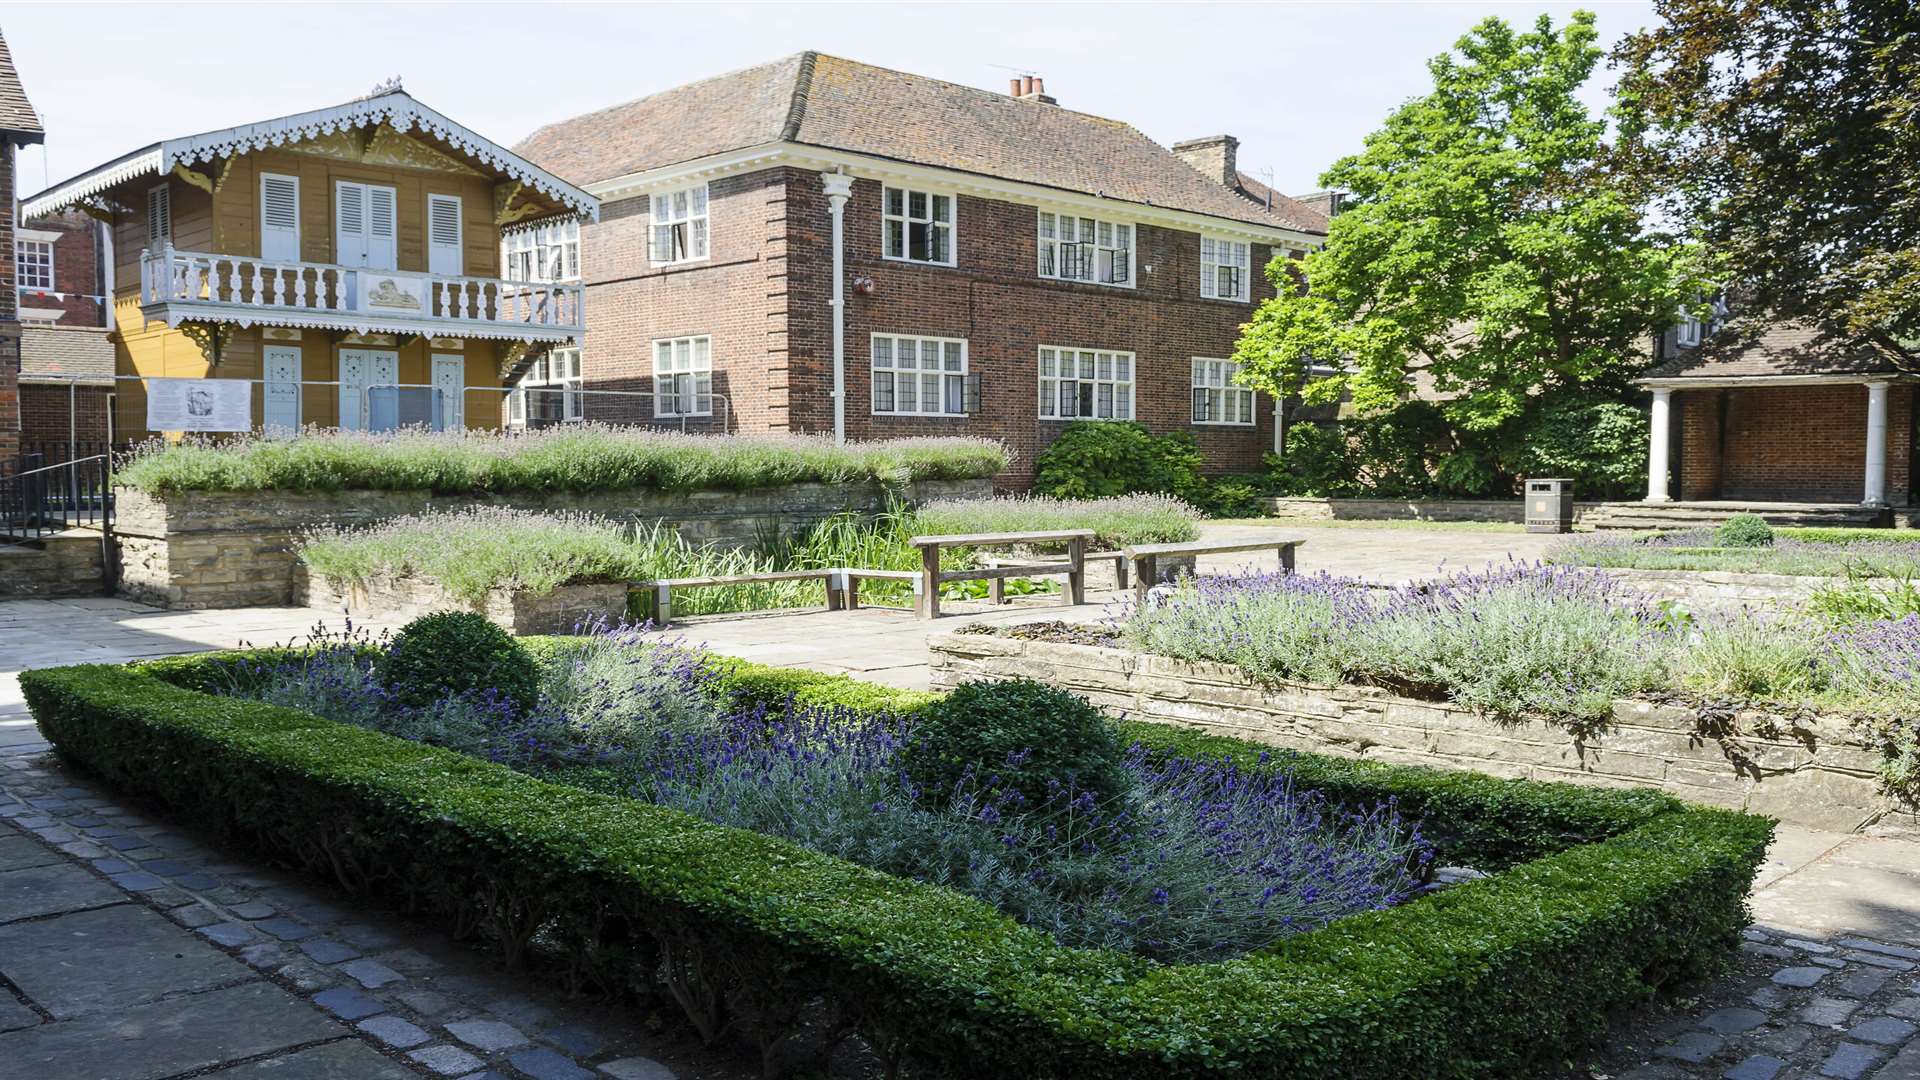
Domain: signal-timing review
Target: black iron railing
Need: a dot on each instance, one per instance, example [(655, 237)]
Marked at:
[(38, 500)]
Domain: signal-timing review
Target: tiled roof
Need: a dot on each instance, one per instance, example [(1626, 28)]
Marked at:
[(66, 350), (1311, 218), (1758, 348), (16, 112), (825, 101)]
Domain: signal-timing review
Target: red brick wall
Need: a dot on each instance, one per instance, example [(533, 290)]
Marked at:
[(9, 321), (1800, 443), (763, 297), (45, 411), (76, 270), (995, 300)]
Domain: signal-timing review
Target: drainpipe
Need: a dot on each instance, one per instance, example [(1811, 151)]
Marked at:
[(839, 187)]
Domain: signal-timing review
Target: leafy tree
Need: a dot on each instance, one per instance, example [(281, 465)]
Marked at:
[(1487, 243), (1788, 133)]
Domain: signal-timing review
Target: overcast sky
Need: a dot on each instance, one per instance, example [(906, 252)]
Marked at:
[(1300, 84)]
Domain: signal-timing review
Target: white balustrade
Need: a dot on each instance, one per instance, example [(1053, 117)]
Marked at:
[(237, 281)]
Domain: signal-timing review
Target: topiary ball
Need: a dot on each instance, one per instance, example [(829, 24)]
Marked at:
[(1744, 531), (455, 653), (1018, 735)]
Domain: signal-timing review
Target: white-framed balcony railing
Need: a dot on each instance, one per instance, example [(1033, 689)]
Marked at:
[(205, 284)]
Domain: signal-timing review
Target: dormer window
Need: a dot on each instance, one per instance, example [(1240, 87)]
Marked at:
[(1224, 269), (1085, 249), (1691, 331), (918, 226), (680, 226)]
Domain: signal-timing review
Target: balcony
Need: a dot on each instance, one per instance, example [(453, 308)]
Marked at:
[(178, 286)]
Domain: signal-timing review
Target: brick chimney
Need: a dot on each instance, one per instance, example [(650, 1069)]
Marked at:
[(1216, 157), (1030, 88)]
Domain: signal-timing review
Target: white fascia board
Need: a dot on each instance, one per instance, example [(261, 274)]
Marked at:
[(868, 167), (55, 199), (1688, 382)]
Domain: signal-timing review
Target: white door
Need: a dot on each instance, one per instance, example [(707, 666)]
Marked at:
[(281, 364), (444, 236), (359, 370), (450, 379), (279, 218), (364, 232)]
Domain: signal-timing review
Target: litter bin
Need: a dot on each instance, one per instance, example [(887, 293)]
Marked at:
[(1550, 506)]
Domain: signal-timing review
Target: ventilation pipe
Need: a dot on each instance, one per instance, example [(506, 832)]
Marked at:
[(839, 187)]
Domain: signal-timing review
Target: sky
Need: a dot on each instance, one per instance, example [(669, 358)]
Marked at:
[(1299, 84)]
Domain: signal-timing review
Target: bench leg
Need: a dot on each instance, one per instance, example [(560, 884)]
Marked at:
[(996, 591), (1120, 574), (835, 592), (930, 582), (852, 594), (1286, 559), (1076, 590), (662, 597), (1143, 575)]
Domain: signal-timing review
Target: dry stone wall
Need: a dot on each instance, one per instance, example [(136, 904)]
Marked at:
[(1811, 771), (235, 549), (399, 599)]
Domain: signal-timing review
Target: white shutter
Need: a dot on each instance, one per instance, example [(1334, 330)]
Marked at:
[(350, 224), (382, 226), (159, 215), (444, 236), (279, 218)]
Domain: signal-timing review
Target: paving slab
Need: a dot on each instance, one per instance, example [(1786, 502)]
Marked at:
[(333, 1061), (1866, 886), (58, 964), (167, 1038), (46, 890), (21, 853), (14, 1016)]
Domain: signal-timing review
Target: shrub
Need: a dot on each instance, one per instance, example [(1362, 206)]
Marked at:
[(1621, 893), (1237, 496), (1020, 736), (570, 458), (1096, 459), (1116, 521), (1853, 553), (472, 551), (1744, 531), (457, 654)]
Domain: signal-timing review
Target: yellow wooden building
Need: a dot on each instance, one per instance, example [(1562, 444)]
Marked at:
[(344, 263)]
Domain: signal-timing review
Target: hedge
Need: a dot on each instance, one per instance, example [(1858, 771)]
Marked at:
[(1629, 891)]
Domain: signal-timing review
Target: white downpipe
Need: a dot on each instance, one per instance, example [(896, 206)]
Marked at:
[(1875, 493), (839, 188), (1657, 450)]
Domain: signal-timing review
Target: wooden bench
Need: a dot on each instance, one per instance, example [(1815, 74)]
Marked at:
[(1146, 557), (997, 588), (932, 577)]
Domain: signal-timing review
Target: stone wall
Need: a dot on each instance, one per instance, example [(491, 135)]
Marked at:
[(235, 549), (1723, 589), (517, 611), (67, 564), (1308, 509), (1810, 771)]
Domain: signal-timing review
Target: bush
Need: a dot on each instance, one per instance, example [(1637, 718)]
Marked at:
[(1100, 458), (1624, 892), (1237, 496), (1744, 531), (457, 654), (1019, 735), (1116, 522)]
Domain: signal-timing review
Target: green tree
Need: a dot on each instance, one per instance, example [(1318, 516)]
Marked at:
[(1487, 242), (1787, 132)]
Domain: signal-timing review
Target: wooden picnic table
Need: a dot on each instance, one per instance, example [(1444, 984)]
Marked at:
[(1146, 557), (932, 577)]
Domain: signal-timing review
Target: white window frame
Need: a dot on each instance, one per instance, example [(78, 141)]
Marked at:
[(1114, 370), (546, 254), (559, 370), (694, 365), (949, 383), (1056, 230), (159, 205), (1690, 332), (907, 220), (695, 216), (1238, 256), (22, 265), (1213, 383)]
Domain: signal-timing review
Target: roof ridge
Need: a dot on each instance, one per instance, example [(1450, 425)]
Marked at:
[(802, 85), (805, 54)]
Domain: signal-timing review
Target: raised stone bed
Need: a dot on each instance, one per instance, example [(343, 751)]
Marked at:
[(1309, 509), (1721, 588), (1811, 771), (409, 596), (235, 549), (65, 564)]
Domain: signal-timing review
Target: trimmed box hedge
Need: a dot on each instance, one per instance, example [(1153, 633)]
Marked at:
[(1602, 897)]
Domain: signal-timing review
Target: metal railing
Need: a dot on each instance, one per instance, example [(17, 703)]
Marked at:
[(41, 500)]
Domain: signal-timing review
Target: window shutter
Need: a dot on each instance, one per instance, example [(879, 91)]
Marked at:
[(279, 218), (350, 224), (380, 213), (444, 236), (159, 215)]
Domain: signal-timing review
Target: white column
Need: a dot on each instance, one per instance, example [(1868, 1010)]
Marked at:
[(1875, 493), (839, 187), (1659, 440)]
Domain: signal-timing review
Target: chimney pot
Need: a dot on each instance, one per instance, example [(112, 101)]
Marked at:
[(1013, 87), (1026, 86), (1039, 85)]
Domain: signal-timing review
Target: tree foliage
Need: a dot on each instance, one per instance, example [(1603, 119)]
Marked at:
[(1788, 133), (1488, 244)]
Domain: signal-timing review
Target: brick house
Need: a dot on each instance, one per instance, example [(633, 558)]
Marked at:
[(19, 126), (66, 354), (961, 261), (1781, 411)]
